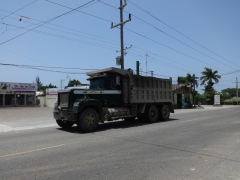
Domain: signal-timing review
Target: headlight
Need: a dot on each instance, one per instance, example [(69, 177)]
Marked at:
[(76, 104)]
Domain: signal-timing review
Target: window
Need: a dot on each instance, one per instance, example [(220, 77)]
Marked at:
[(115, 83), (97, 84), (9, 99), (29, 99), (1, 99), (20, 98)]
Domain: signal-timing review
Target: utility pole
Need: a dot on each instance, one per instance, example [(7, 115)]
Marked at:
[(61, 83), (137, 67), (151, 73), (121, 29), (237, 89), (146, 63)]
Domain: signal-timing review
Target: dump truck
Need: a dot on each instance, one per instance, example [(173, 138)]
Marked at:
[(114, 94)]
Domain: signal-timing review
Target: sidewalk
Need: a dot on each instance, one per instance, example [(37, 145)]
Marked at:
[(217, 107), (25, 113), (22, 118)]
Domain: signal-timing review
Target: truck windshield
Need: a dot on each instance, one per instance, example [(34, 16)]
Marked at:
[(97, 84)]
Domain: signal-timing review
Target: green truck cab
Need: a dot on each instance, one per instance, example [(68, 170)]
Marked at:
[(114, 94)]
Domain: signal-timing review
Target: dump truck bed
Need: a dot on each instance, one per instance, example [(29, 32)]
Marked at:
[(151, 89)]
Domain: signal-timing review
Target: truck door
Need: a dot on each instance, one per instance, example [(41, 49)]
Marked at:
[(113, 94)]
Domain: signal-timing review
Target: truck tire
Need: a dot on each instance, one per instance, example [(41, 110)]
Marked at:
[(88, 120), (64, 124), (151, 114), (164, 113)]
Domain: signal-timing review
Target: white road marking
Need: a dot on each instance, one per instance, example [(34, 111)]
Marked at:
[(194, 119), (4, 128)]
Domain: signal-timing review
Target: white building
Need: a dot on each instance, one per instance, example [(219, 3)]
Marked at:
[(17, 94), (52, 95)]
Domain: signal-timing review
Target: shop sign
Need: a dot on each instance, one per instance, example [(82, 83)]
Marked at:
[(9, 86), (217, 99), (52, 91)]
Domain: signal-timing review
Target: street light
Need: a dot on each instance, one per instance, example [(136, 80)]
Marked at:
[(61, 82), (68, 77)]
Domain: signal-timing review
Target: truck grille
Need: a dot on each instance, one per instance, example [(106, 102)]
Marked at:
[(64, 100)]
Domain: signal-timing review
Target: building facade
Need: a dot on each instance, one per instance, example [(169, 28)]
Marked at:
[(17, 94), (182, 93)]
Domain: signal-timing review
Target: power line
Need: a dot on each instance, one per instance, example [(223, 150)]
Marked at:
[(171, 36), (29, 67), (19, 9), (113, 43), (140, 35), (232, 72), (157, 61), (181, 33), (65, 28), (68, 28), (141, 57), (47, 22), (144, 37), (171, 48), (176, 67), (79, 11), (71, 39), (60, 31)]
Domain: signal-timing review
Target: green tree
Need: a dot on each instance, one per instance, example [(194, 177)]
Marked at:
[(200, 98), (193, 80), (38, 82), (182, 80), (43, 88), (209, 76), (231, 92), (51, 86), (74, 82)]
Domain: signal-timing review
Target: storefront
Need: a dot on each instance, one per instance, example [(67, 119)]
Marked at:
[(17, 94), (182, 95)]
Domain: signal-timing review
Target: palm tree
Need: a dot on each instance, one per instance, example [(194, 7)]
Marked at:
[(192, 79), (209, 76)]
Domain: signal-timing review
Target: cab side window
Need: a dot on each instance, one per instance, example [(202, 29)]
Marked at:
[(114, 84)]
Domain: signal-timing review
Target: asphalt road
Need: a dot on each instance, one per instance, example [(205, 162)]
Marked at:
[(193, 144)]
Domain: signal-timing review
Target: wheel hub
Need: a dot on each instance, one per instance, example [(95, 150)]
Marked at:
[(89, 120)]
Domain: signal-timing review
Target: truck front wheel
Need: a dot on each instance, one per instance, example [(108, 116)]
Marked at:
[(88, 120), (64, 124), (165, 113)]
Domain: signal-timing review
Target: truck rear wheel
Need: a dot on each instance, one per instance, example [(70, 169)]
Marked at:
[(64, 124), (164, 113), (88, 120), (151, 114)]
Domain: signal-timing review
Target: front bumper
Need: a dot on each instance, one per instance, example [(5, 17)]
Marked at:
[(65, 115)]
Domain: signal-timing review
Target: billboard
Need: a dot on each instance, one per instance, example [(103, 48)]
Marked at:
[(52, 91), (217, 99), (10, 86)]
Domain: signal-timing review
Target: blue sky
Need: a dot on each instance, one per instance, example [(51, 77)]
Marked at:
[(179, 37)]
